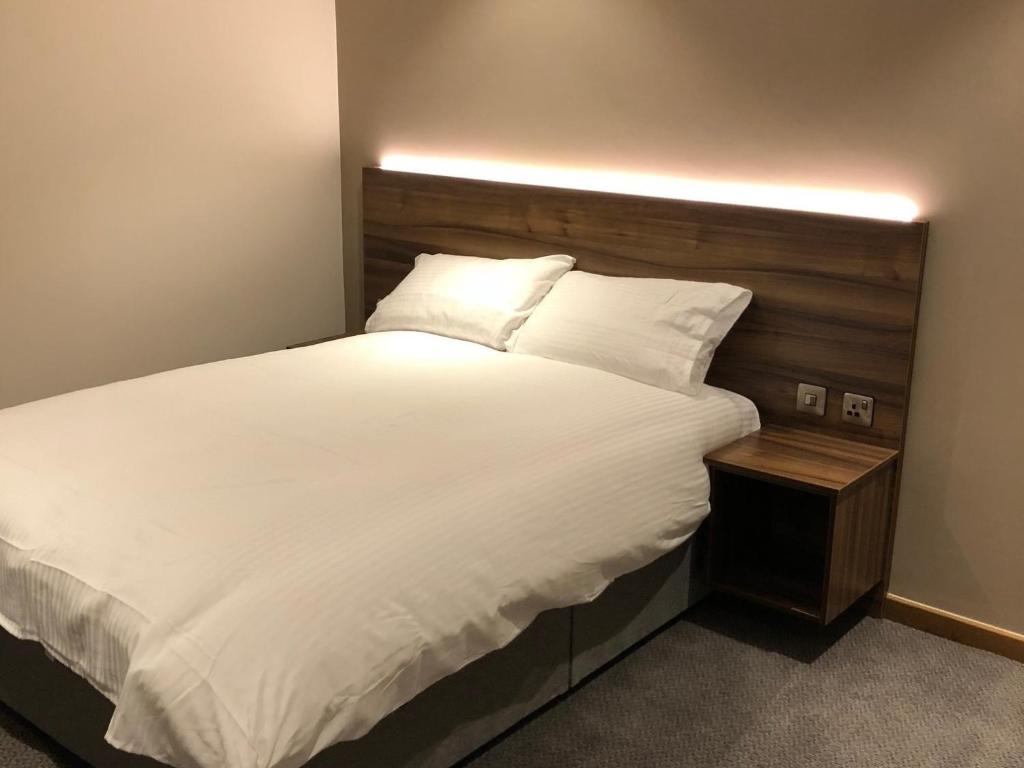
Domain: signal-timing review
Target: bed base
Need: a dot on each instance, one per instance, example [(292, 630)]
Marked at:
[(444, 724)]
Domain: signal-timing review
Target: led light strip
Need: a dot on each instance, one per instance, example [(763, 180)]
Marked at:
[(818, 200)]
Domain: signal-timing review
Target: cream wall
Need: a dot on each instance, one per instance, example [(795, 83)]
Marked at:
[(169, 185), (917, 97)]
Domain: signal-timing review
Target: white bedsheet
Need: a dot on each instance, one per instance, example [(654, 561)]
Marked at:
[(257, 558)]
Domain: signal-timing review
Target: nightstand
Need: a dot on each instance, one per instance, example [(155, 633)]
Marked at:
[(800, 520), (324, 339)]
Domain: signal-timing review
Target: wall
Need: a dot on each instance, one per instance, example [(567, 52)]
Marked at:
[(916, 97), (169, 186)]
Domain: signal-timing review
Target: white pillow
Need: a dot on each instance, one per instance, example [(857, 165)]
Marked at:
[(660, 332), (465, 297)]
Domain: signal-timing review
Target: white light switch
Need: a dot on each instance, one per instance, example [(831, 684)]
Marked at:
[(811, 399)]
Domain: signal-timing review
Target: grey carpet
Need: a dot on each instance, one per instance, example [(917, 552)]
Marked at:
[(731, 687), (21, 746)]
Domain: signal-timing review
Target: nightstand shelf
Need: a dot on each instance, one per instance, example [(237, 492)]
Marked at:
[(800, 520)]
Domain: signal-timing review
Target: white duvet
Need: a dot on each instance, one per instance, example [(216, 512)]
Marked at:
[(257, 558)]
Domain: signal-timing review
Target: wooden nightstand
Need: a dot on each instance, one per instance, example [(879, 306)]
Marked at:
[(324, 339), (799, 520)]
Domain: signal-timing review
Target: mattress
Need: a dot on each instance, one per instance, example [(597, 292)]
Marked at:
[(257, 558)]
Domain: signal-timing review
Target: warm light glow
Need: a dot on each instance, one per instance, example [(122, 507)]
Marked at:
[(819, 200)]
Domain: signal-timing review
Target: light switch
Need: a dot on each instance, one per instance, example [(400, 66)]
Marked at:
[(811, 399)]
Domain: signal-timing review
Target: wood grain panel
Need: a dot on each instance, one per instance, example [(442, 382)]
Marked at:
[(806, 459), (859, 528), (954, 627), (835, 298)]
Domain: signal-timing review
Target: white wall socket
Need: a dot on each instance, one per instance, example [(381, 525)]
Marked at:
[(858, 409)]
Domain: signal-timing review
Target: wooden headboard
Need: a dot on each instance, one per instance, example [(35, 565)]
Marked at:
[(835, 297)]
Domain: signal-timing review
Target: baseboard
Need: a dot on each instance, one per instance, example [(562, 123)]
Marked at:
[(936, 621)]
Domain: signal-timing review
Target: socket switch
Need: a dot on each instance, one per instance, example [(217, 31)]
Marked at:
[(811, 399), (858, 409)]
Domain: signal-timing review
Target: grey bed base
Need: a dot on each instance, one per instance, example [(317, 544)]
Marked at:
[(447, 722)]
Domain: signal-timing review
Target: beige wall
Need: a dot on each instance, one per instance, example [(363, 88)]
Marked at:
[(169, 185), (918, 97)]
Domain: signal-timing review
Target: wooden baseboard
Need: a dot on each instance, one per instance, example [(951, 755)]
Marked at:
[(935, 621)]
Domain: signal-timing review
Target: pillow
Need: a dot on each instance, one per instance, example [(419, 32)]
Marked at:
[(465, 297), (660, 332)]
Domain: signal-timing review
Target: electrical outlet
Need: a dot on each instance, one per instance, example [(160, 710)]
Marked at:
[(858, 409), (811, 399)]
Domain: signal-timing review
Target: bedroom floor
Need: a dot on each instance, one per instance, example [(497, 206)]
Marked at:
[(728, 686)]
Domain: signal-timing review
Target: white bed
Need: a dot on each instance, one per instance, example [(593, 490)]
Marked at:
[(257, 558)]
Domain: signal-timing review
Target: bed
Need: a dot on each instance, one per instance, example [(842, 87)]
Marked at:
[(300, 505), (531, 523)]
